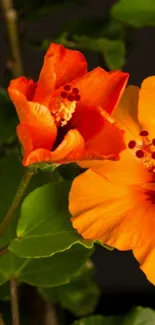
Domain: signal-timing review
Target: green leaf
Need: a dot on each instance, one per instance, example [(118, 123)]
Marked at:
[(44, 272), (11, 172), (138, 13), (138, 316), (113, 51), (80, 296), (44, 227), (8, 118), (10, 175)]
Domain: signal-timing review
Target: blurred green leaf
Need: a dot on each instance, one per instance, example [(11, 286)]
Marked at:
[(138, 316), (45, 272), (80, 296), (113, 51), (8, 119), (45, 221), (138, 13), (34, 9)]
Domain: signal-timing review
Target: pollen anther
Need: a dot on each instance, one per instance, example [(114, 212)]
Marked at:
[(144, 133)]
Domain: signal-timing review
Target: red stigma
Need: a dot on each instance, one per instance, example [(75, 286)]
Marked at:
[(153, 155), (75, 91), (67, 87), (77, 98), (139, 153), (63, 94), (132, 144), (70, 98), (144, 133), (153, 142)]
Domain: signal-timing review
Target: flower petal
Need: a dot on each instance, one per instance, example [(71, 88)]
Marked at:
[(25, 86), (144, 251), (98, 206), (147, 104), (129, 170), (70, 149), (101, 88), (25, 138), (126, 113), (37, 117), (60, 66)]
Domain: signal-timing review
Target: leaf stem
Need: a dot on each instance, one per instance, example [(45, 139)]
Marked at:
[(17, 200), (14, 302), (11, 19)]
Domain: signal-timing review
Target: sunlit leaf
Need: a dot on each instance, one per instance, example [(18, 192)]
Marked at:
[(138, 316), (44, 227), (46, 272), (135, 12)]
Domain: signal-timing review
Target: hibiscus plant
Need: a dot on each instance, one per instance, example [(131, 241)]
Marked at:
[(77, 168)]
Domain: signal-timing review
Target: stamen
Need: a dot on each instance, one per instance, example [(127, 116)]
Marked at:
[(144, 133), (153, 142), (67, 87), (77, 98), (75, 91), (140, 153), (70, 98), (63, 94), (153, 155), (132, 144)]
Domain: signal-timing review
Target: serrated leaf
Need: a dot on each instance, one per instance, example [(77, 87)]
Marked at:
[(44, 227), (44, 272), (138, 316), (8, 118), (80, 296), (138, 13)]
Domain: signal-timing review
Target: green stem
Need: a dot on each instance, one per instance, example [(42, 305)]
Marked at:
[(11, 19), (14, 302), (17, 200)]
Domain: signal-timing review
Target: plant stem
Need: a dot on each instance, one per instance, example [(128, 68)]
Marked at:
[(3, 250), (11, 19), (14, 302), (17, 200)]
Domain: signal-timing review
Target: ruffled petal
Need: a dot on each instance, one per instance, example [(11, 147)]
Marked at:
[(101, 88), (37, 117), (60, 66), (146, 105), (98, 206), (126, 113), (70, 149), (128, 170), (24, 86)]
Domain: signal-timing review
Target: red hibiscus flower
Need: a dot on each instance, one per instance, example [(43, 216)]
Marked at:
[(64, 116)]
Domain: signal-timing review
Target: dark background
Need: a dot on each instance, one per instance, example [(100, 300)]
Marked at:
[(118, 274)]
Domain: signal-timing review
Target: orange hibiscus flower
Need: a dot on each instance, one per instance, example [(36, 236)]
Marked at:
[(115, 202), (63, 114)]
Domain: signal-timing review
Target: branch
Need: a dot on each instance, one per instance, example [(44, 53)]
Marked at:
[(14, 302), (11, 20), (17, 200)]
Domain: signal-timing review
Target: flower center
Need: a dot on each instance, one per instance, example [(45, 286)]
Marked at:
[(63, 106), (144, 149)]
